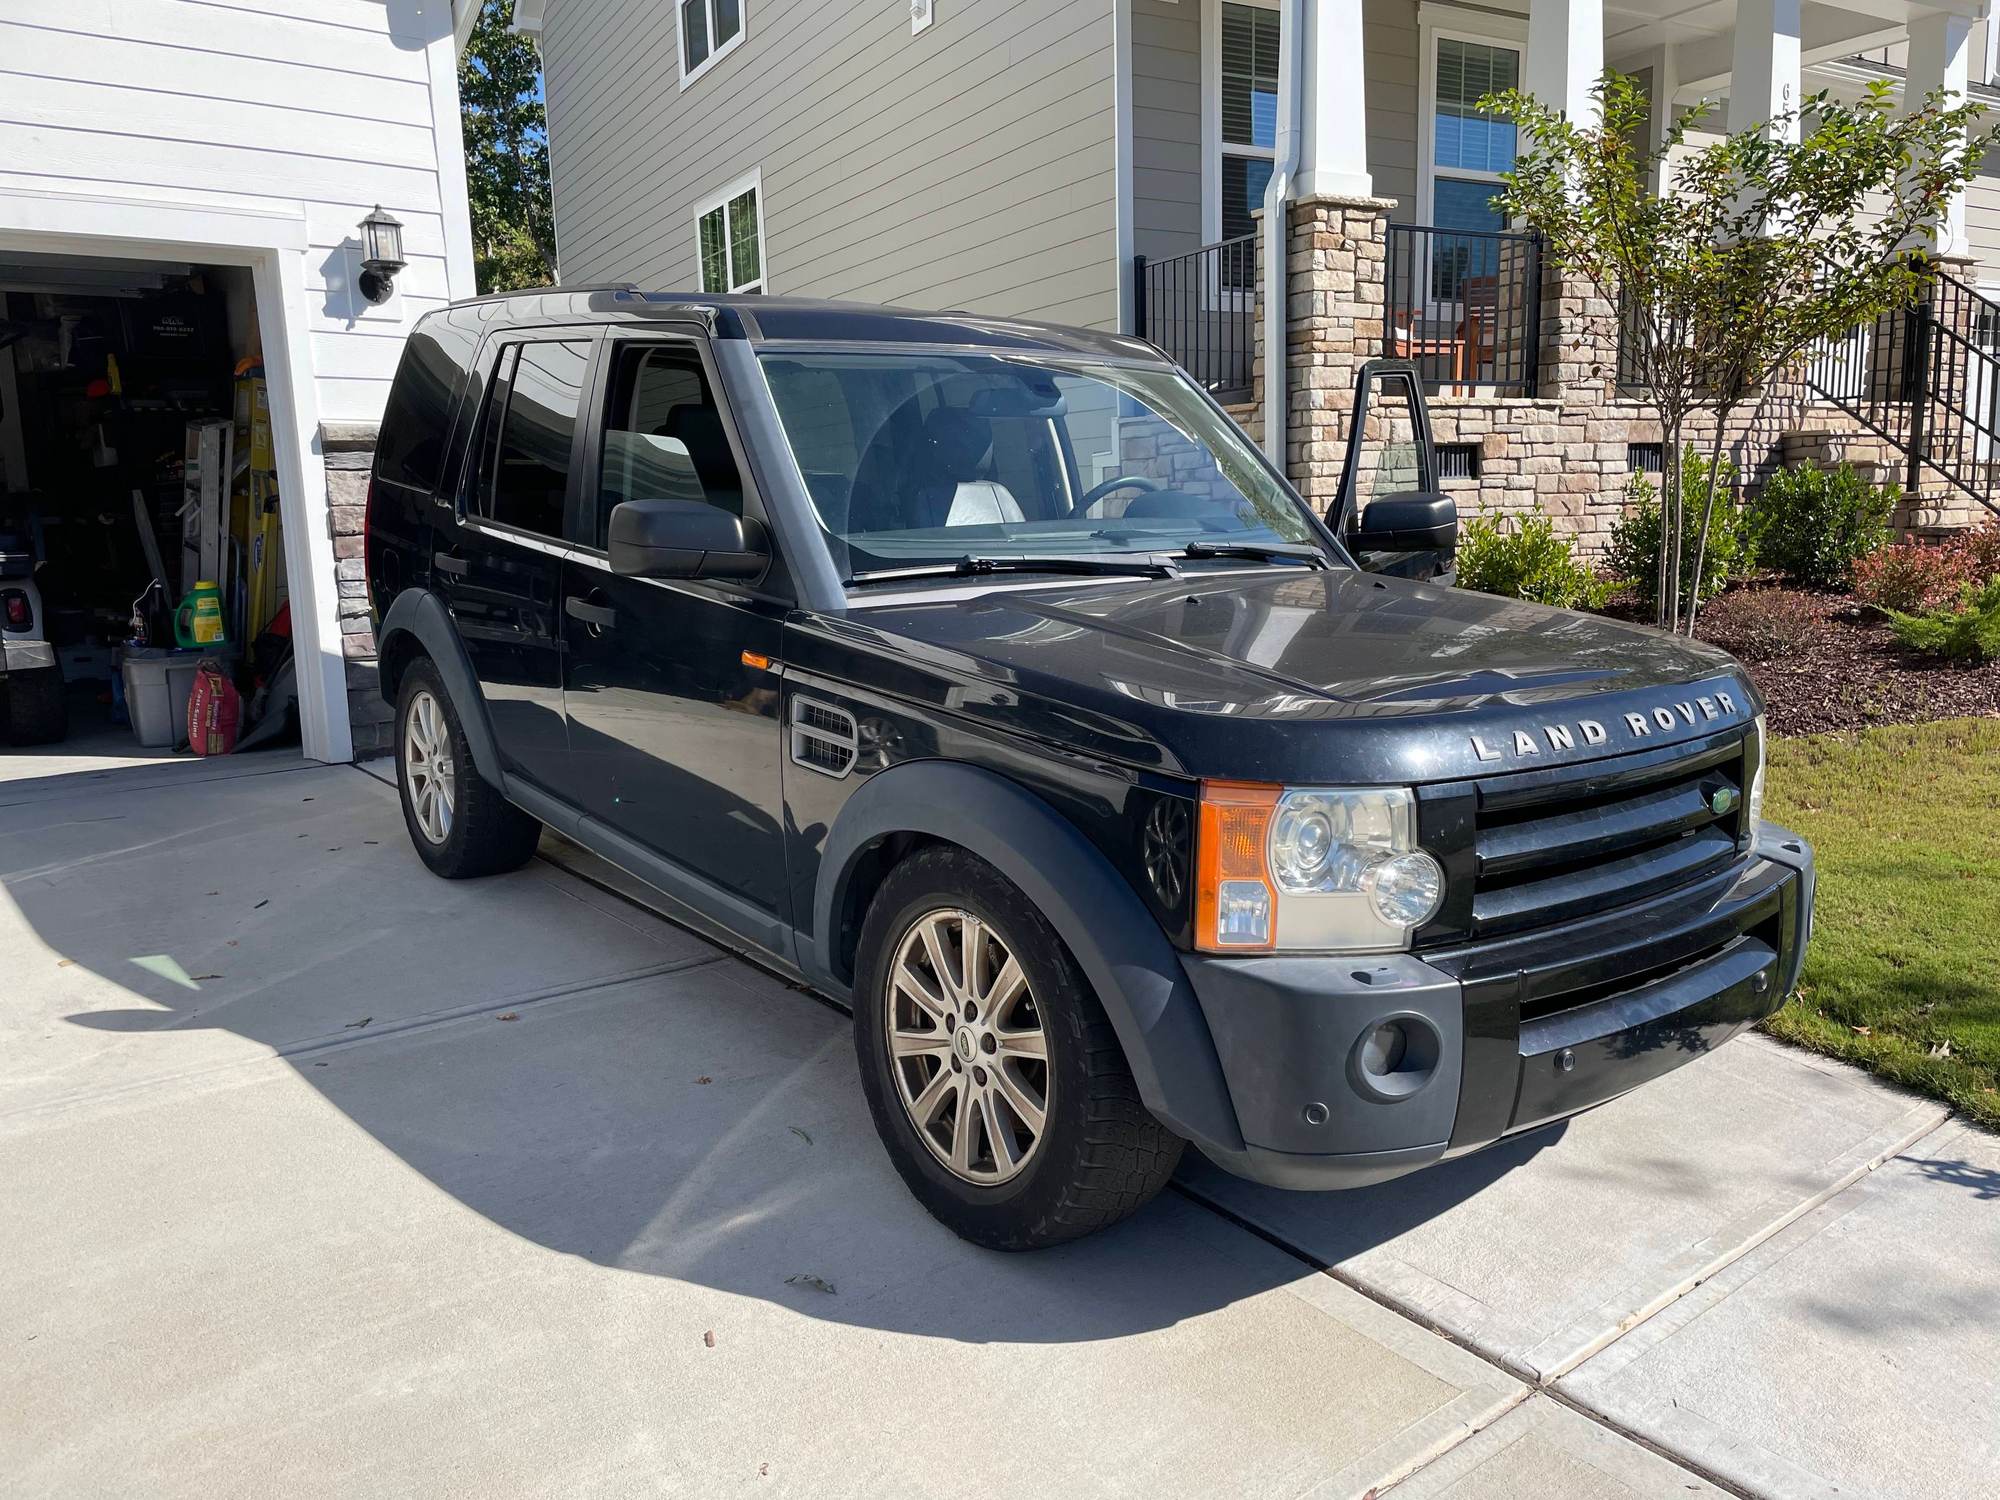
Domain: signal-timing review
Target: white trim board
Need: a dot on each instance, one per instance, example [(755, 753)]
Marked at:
[(273, 244)]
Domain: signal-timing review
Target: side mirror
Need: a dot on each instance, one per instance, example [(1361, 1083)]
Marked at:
[(1408, 523), (685, 539)]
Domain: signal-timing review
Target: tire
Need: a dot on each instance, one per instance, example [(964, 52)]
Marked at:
[(460, 824), (36, 711), (1099, 1155)]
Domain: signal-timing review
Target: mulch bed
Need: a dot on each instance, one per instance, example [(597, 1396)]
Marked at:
[(1826, 663)]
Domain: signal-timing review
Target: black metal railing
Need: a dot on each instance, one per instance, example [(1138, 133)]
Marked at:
[(1927, 378), (1466, 306), (1199, 308)]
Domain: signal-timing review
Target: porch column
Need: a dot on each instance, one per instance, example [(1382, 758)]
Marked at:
[(1940, 58), (1333, 143), (1565, 55), (1764, 67)]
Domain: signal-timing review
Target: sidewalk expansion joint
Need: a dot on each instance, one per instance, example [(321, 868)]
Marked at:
[(1544, 1383)]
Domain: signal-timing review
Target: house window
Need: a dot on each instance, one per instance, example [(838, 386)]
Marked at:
[(710, 30), (729, 230), (1249, 111), (1468, 152)]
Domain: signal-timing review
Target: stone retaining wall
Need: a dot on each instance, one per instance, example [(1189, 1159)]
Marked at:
[(1564, 452)]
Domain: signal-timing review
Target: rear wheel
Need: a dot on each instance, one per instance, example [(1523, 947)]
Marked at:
[(993, 1074), (36, 712), (462, 827)]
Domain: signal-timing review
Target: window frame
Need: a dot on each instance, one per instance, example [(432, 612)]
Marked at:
[(1481, 31), (1213, 147), (492, 408), (715, 53), (614, 345), (751, 181), (1436, 23)]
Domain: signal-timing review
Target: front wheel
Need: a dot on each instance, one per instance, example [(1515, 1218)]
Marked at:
[(462, 827), (994, 1076)]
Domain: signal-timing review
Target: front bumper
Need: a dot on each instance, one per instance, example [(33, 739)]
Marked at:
[(1348, 1071)]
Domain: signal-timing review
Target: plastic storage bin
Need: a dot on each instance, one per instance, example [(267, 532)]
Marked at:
[(157, 684)]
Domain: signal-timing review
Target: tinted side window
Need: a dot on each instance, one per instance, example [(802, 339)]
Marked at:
[(410, 449), (663, 434), (531, 425)]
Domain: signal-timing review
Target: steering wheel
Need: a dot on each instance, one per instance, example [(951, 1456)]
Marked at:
[(1097, 492)]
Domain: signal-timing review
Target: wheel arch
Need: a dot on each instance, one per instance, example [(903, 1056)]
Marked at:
[(417, 625), (1134, 970)]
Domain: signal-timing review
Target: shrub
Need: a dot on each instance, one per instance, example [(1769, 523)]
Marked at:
[(1981, 547), (1969, 631), (1527, 561), (1770, 624), (1635, 537), (1911, 576), (1814, 524)]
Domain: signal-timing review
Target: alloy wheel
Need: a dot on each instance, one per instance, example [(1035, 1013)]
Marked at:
[(967, 1046), (428, 763)]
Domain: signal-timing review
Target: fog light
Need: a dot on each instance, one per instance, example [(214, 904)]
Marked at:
[(1243, 914)]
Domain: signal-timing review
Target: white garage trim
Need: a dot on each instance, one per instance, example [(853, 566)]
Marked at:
[(273, 246)]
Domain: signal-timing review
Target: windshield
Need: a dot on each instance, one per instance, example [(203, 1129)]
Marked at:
[(919, 458)]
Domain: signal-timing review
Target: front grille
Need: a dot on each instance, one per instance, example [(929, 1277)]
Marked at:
[(1550, 846)]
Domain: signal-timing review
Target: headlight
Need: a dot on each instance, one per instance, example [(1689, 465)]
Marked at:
[(1312, 868), (1753, 802)]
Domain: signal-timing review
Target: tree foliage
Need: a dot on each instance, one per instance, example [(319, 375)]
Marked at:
[(506, 155), (1756, 246)]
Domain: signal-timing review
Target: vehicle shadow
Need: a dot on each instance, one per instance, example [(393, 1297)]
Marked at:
[(700, 1122)]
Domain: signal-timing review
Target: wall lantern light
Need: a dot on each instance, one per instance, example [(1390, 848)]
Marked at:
[(382, 254)]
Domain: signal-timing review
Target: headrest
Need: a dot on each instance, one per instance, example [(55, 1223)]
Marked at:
[(958, 441)]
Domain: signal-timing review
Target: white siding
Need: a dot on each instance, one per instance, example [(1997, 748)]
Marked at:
[(325, 107)]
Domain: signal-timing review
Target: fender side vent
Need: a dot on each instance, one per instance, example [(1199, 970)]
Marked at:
[(823, 737)]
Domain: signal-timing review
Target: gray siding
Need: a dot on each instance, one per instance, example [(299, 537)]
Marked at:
[(969, 167), (1166, 127), (1168, 76), (1390, 47)]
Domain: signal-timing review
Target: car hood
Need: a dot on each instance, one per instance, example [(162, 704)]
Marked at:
[(1286, 674)]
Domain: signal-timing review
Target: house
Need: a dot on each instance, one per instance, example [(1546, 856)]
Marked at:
[(183, 190), (1112, 163)]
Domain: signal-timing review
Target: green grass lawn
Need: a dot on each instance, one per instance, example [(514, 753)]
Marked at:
[(1904, 971)]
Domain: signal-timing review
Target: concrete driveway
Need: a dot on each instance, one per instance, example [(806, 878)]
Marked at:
[(321, 1176)]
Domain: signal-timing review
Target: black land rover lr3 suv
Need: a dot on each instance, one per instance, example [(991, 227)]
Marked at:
[(984, 677)]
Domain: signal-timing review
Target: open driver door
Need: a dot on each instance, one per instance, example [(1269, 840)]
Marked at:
[(1390, 512)]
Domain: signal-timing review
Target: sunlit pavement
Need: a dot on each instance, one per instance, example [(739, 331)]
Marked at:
[(319, 1175)]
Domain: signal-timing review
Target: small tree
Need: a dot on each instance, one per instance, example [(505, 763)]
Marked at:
[(1756, 247), (506, 155)]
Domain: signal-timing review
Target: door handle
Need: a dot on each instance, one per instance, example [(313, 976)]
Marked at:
[(596, 616), (445, 563)]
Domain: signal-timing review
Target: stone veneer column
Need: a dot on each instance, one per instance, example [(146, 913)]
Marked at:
[(1336, 264), (349, 449)]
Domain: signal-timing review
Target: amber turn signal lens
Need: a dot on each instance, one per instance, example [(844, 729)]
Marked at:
[(1235, 905)]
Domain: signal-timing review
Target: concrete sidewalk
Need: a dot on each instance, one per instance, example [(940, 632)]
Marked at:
[(322, 1176)]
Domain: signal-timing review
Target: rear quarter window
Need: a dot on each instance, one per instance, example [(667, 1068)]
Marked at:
[(417, 420)]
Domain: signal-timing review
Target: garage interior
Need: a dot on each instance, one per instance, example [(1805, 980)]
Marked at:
[(139, 499)]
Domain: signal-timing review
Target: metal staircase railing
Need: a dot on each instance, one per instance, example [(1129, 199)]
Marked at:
[(1927, 379)]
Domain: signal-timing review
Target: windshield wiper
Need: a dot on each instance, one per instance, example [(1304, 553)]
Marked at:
[(1312, 557), (1112, 565)]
